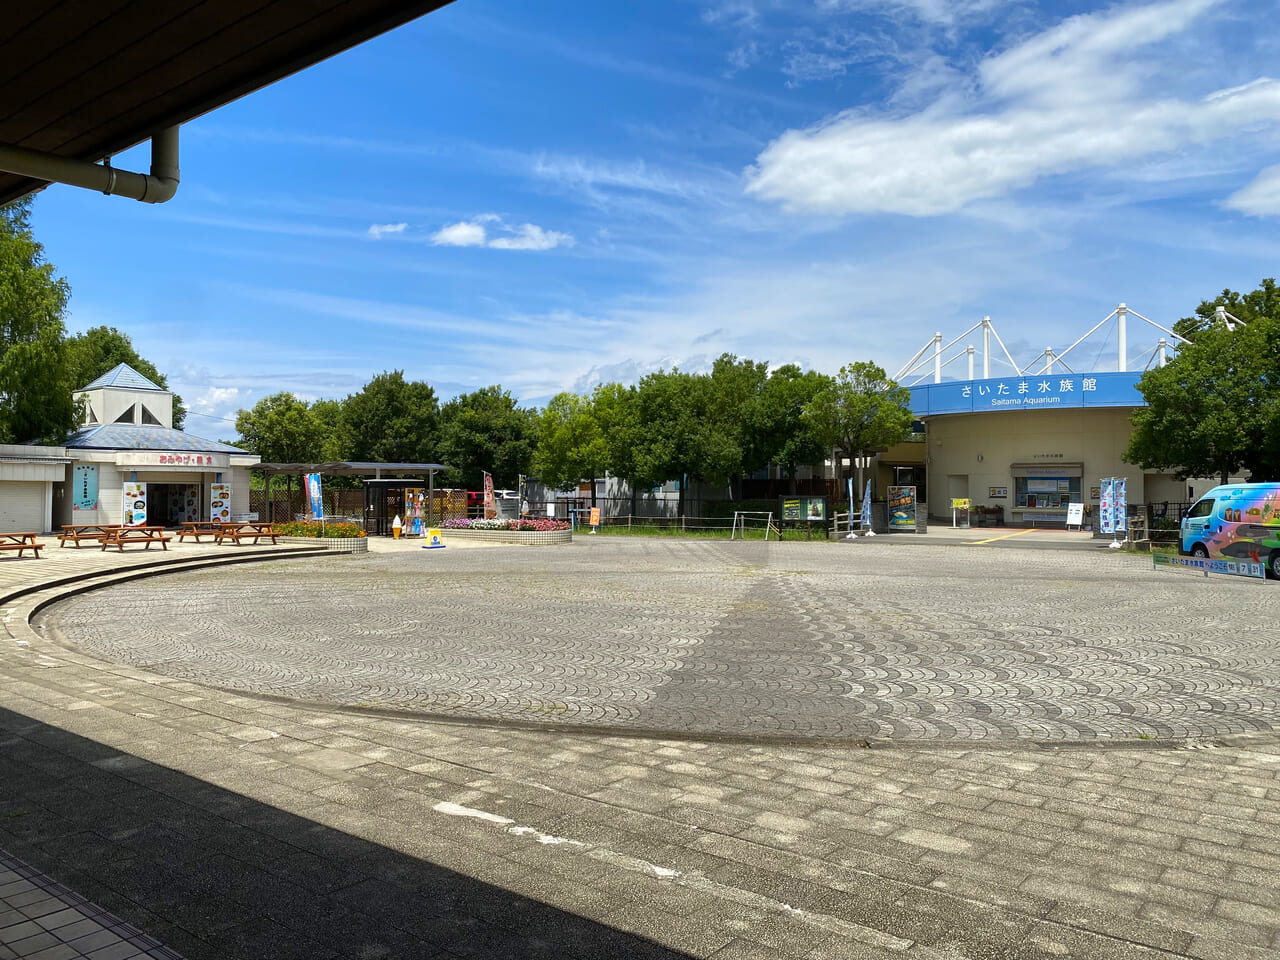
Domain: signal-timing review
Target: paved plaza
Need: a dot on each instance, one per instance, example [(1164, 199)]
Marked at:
[(575, 776), (871, 640)]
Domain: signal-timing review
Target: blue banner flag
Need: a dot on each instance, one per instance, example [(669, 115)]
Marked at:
[(313, 495), (866, 506)]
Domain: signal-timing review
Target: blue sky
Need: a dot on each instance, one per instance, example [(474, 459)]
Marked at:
[(549, 196)]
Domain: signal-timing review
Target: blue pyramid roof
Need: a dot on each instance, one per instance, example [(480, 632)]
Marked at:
[(123, 375), (127, 436)]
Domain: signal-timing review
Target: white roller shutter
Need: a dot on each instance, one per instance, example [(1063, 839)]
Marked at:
[(22, 506)]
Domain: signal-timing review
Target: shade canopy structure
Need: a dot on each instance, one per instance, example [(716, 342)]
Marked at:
[(87, 79), (352, 468)]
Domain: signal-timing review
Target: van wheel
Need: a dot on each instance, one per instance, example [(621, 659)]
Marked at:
[(1199, 552), (1273, 564)]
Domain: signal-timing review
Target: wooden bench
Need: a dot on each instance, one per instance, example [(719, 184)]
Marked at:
[(236, 532), (198, 529), (122, 536), (20, 542), (75, 532)]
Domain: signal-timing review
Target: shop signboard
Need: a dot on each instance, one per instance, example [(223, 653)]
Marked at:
[(135, 504), (1106, 507), (1075, 514), (797, 509), (902, 508), (1230, 567), (314, 497), (1121, 505), (84, 487), (187, 507), (220, 503), (1040, 392)]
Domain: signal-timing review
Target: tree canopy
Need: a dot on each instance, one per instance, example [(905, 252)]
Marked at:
[(392, 420), (35, 386), (486, 430), (860, 411), (1214, 409)]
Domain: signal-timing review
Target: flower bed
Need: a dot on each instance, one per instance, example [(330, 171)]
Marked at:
[(530, 532), (336, 537), (538, 526)]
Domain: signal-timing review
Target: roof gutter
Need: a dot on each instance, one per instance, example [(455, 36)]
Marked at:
[(157, 187)]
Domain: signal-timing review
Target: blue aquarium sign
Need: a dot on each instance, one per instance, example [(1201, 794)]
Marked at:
[(1039, 392)]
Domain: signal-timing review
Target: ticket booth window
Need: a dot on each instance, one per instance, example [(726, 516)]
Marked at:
[(1046, 491)]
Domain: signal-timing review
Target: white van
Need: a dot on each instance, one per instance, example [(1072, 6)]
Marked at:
[(1238, 521)]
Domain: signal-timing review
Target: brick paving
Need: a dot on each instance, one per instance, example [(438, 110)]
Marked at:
[(828, 641), (230, 825)]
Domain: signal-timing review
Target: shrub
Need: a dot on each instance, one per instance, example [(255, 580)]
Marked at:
[(308, 528)]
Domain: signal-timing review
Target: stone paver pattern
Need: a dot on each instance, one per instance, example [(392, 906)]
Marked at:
[(875, 640)]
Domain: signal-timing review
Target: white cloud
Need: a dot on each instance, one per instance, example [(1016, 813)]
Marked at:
[(473, 233), (468, 233), (1260, 198), (531, 237), (1068, 99), (379, 230)]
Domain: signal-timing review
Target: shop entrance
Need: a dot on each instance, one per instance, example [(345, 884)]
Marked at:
[(169, 504)]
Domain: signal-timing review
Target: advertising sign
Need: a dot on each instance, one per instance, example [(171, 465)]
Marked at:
[(490, 504), (1106, 506), (1026, 394), (865, 519), (220, 503), (187, 507), (961, 503), (135, 504), (595, 516), (1232, 568), (1075, 514), (1121, 505), (434, 540), (902, 508), (314, 499), (803, 508), (84, 487), (997, 493)]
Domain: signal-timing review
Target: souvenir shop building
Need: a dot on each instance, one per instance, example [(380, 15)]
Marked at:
[(125, 464), (1034, 443)]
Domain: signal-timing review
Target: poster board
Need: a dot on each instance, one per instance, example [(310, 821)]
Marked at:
[(134, 498), (902, 509), (803, 509), (84, 487), (314, 498), (219, 503)]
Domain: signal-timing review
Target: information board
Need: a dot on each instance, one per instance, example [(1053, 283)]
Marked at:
[(1232, 568), (1075, 514), (797, 509)]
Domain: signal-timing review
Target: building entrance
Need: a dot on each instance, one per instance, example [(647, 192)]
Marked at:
[(169, 504)]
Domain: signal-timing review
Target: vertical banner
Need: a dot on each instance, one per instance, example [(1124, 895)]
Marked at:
[(1121, 505), (84, 487), (314, 497), (190, 509), (902, 508), (865, 520), (524, 498), (850, 483), (135, 504), (220, 503), (1106, 505), (490, 504)]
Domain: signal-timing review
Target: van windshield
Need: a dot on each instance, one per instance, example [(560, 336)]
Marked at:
[(1202, 509)]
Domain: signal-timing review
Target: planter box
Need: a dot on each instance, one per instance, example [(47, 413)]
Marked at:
[(334, 544), (536, 538)]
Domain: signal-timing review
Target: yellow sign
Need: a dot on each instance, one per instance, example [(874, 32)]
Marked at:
[(961, 503), (434, 540), (595, 516)]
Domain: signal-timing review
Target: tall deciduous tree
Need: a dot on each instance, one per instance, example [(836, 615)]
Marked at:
[(1214, 410), (779, 433), (280, 429), (860, 411), (571, 444), (485, 430), (35, 391), (393, 420), (99, 349)]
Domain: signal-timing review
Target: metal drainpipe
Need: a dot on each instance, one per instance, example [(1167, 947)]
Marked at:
[(156, 187)]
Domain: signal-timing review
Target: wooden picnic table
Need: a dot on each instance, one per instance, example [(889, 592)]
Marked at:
[(245, 530), (20, 542), (122, 536), (75, 532), (198, 529)]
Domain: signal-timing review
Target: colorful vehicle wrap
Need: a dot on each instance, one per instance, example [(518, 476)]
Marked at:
[(1238, 521)]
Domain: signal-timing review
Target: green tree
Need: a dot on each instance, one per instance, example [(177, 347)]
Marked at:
[(571, 444), (1214, 409), (485, 430), (778, 430), (860, 412), (281, 429), (392, 421), (734, 388), (35, 392), (99, 349)]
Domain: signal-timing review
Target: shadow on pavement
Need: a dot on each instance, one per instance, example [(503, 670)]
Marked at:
[(215, 875)]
